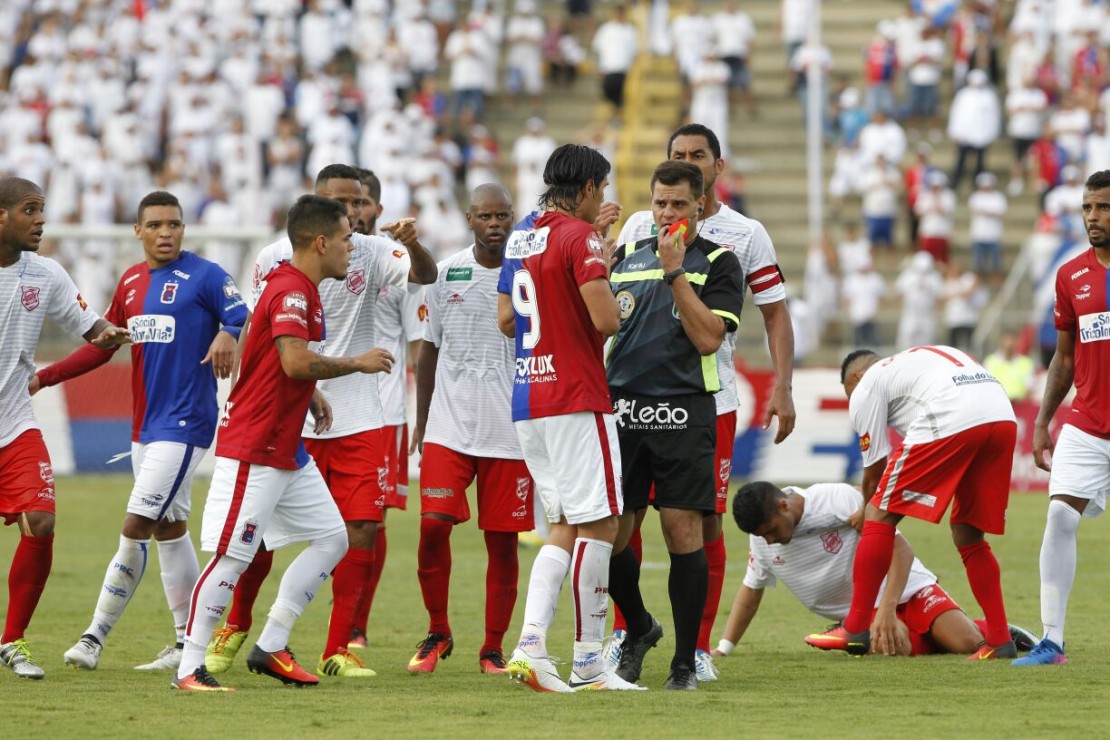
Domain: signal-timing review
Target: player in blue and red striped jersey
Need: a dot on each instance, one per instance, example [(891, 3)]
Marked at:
[(185, 315)]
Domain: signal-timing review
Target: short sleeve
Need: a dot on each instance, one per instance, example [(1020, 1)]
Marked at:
[(762, 273), (1063, 312), (586, 254), (414, 312), (433, 329), (263, 264), (724, 289), (67, 308), (289, 308), (225, 301), (758, 575), (868, 413), (505, 279), (395, 264), (842, 501)]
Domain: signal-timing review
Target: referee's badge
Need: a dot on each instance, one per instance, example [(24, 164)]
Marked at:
[(627, 303)]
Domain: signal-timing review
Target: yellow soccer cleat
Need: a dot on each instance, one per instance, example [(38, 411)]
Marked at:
[(224, 646), (344, 665)]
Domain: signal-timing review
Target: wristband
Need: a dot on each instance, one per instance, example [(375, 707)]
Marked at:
[(669, 277), (724, 647)]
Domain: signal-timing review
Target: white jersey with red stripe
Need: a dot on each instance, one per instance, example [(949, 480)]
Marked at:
[(350, 308), (750, 242), (924, 394), (401, 313)]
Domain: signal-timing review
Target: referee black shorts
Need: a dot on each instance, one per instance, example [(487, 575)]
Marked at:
[(669, 443)]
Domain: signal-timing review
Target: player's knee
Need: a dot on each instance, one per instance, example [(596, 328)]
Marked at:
[(39, 523), (361, 534), (137, 527), (965, 534), (334, 545)]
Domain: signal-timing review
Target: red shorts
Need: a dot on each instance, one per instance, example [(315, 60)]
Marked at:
[(395, 442), (726, 440), (354, 469), (936, 246), (920, 612), (505, 489), (26, 478), (972, 467)]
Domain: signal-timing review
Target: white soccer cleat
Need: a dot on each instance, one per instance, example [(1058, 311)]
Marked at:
[(17, 656), (85, 655), (604, 681), (168, 660), (706, 670), (611, 653), (538, 674)]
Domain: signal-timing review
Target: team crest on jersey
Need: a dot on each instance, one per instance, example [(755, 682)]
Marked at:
[(356, 282), (250, 529), (30, 297), (832, 542), (865, 442), (169, 292), (230, 291), (523, 488), (627, 303), (81, 302), (422, 313)]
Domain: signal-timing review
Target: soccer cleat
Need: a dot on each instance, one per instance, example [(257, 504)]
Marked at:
[(633, 652), (199, 680), (530, 539), (538, 674), (706, 670), (280, 664), (222, 649), (1046, 652), (611, 652), (838, 638), (344, 665), (1005, 651), (168, 659), (605, 681), (430, 650), (492, 663), (85, 655), (357, 641), (17, 656), (1024, 640), (681, 679)]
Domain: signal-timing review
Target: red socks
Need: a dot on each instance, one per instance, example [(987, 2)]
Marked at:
[(433, 567), (375, 577), (986, 585), (26, 580), (636, 544), (240, 616), (350, 583), (502, 572), (873, 556), (717, 558)]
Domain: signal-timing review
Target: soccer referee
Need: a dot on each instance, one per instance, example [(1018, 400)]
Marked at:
[(678, 294)]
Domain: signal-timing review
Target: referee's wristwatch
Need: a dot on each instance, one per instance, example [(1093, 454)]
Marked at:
[(669, 277)]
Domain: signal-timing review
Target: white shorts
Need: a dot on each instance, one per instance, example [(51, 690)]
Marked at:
[(575, 461), (248, 502), (1081, 468), (163, 479)]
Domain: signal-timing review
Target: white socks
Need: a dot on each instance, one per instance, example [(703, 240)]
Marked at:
[(546, 581), (299, 585), (209, 600), (180, 571), (1058, 567), (590, 582), (120, 581)]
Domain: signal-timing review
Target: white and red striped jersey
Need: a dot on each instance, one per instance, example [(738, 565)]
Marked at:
[(400, 318)]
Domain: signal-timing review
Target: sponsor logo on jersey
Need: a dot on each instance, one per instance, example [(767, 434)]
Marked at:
[(865, 442), (169, 292), (1081, 273), (1094, 327), (627, 303), (656, 416), (973, 378), (832, 542), (459, 273), (133, 277), (398, 253), (230, 291), (182, 275), (1084, 292), (527, 243), (152, 329), (130, 297), (356, 282), (437, 492), (455, 300), (295, 302), (225, 415), (30, 298), (536, 369), (778, 560), (249, 530), (318, 316)]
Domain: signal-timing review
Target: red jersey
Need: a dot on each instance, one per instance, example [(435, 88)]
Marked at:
[(262, 419), (559, 365), (1082, 309)]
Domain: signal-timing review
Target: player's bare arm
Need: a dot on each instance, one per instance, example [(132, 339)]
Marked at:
[(104, 335), (423, 270), (506, 320), (301, 363), (780, 340), (886, 637), (221, 354), (872, 474), (705, 329), (1058, 382), (598, 297), (740, 617), (425, 387), (321, 412)]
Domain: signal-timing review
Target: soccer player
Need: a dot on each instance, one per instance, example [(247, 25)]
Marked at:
[(749, 241), (554, 298), (662, 377), (350, 452), (464, 429), (265, 484), (185, 315), (958, 434), (807, 538), (1080, 463), (31, 288)]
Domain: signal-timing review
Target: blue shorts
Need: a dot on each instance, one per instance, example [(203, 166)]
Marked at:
[(880, 230)]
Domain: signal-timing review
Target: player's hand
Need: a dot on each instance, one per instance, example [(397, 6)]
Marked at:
[(417, 444), (113, 336), (321, 412), (610, 213), (855, 521), (35, 385), (672, 250), (376, 360), (221, 355), (782, 406), (884, 632), (1042, 443), (403, 230)]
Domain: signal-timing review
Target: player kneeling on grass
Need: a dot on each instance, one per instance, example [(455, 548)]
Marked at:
[(807, 538)]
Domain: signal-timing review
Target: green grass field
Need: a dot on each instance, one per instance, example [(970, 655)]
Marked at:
[(772, 686)]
